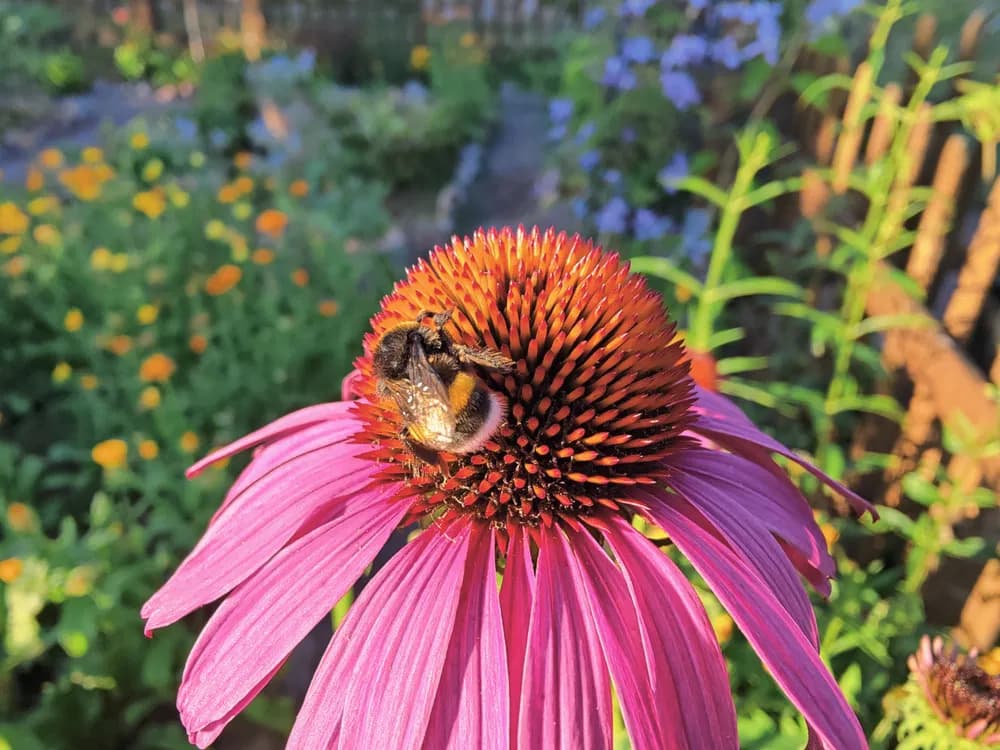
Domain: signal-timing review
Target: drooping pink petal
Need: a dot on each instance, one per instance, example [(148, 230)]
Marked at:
[(204, 736), (276, 429), (256, 627), (349, 385), (517, 596), (472, 709), (776, 504), (378, 678), (776, 638), (721, 421), (256, 525), (566, 694), (687, 666), (724, 509)]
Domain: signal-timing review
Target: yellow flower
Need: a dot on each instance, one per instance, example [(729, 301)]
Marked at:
[(239, 247), (215, 230), (242, 210), (88, 382), (990, 661), (10, 569), (43, 204), (10, 245), (73, 320), (272, 222), (178, 196), (299, 188), (152, 171), (722, 624), (46, 234), (149, 450), (243, 159), (119, 345), (227, 194), (243, 184), (34, 180), (92, 155), (147, 314), (110, 454), (420, 56), (85, 181), (300, 277), (139, 141), (100, 259), (50, 158), (62, 372), (189, 442), (830, 534), (156, 368), (15, 266), (21, 518), (224, 279), (469, 39), (328, 308), (197, 159), (150, 397), (198, 343), (12, 219), (150, 202), (262, 256), (119, 262)]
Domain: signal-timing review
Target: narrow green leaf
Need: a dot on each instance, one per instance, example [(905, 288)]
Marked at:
[(662, 268), (772, 285)]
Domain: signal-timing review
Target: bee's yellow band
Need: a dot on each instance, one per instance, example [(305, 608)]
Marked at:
[(460, 390)]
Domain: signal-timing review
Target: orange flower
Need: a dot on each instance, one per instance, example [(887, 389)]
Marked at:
[(198, 343), (119, 345), (15, 266), (228, 194), (299, 188), (34, 180), (300, 277), (20, 517), (10, 569), (262, 256), (704, 370), (84, 181), (224, 279), (46, 234), (150, 202), (110, 454), (243, 184), (73, 320), (328, 308), (243, 159), (50, 158), (88, 382), (189, 442), (272, 222), (157, 368), (150, 397), (12, 219), (92, 155), (148, 449)]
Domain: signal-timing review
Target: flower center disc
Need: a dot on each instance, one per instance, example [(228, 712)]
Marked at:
[(599, 394)]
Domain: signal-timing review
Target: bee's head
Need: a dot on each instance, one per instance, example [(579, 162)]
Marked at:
[(392, 351)]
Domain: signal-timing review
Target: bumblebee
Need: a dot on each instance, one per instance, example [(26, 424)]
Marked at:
[(444, 403)]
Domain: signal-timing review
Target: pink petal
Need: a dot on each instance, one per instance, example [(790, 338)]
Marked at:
[(724, 510), (776, 638), (679, 645), (776, 504), (349, 386), (257, 626), (566, 695), (204, 736), (721, 421), (257, 524), (378, 678), (517, 596), (276, 429), (472, 704)]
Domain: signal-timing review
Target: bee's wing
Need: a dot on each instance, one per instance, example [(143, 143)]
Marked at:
[(423, 377)]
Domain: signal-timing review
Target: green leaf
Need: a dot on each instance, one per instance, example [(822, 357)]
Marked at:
[(726, 336), (734, 365), (772, 285), (702, 187), (882, 405), (771, 190), (664, 269), (879, 323), (816, 93)]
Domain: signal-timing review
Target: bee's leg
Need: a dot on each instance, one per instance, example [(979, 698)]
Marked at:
[(483, 357), (442, 317), (422, 452)]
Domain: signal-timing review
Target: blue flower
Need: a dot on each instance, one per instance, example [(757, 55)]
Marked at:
[(218, 138), (629, 135), (580, 207), (727, 53), (695, 242), (414, 92), (677, 169), (680, 89), (613, 176), (635, 8), (187, 129), (697, 4), (638, 49), (589, 160), (556, 133), (306, 61), (612, 217), (684, 50), (649, 225), (822, 12), (560, 110), (584, 133), (593, 18), (617, 74)]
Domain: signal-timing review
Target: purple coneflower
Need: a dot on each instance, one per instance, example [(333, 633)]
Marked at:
[(603, 426)]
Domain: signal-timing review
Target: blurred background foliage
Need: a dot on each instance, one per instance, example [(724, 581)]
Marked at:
[(209, 257)]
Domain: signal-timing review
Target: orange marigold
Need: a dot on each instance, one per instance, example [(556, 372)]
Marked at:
[(262, 256), (328, 308), (272, 222), (300, 277), (12, 219), (150, 202), (299, 188), (34, 180), (189, 442), (149, 450), (119, 345), (198, 343), (156, 368), (224, 279), (20, 517), (10, 569), (110, 454)]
